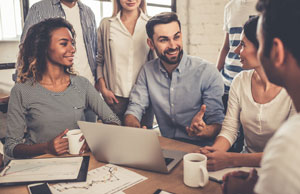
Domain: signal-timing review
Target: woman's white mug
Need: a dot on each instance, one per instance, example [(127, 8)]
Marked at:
[(74, 143), (194, 170)]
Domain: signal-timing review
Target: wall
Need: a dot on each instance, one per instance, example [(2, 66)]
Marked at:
[(202, 27), (8, 54), (202, 24)]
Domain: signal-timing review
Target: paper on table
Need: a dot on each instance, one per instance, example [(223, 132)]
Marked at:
[(107, 179), (41, 169), (218, 175)]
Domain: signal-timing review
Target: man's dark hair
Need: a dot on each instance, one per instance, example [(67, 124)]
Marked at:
[(281, 20), (250, 30), (162, 18)]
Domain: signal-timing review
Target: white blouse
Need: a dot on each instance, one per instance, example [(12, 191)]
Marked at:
[(129, 53), (259, 121)]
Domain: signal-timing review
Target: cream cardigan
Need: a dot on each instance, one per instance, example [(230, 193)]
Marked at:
[(104, 57)]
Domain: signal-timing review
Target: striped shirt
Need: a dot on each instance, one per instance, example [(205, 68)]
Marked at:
[(236, 13), (52, 8)]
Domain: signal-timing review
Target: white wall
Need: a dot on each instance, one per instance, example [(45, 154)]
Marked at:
[(202, 27), (202, 24), (8, 54)]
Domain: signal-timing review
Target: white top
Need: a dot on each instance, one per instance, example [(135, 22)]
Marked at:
[(259, 121), (81, 63), (129, 53), (280, 172)]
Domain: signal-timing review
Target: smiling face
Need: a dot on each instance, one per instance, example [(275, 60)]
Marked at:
[(61, 50), (130, 5), (167, 42), (247, 52)]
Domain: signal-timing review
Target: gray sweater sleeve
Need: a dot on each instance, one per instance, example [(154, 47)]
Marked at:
[(16, 122), (99, 106)]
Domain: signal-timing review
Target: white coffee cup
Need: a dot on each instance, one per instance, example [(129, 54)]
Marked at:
[(74, 143), (194, 170)]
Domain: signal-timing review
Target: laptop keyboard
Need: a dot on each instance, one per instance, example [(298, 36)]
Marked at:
[(168, 160)]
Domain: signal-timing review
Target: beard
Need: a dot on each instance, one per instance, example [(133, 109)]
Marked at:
[(173, 60)]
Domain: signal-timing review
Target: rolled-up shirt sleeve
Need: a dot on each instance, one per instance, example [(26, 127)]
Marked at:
[(212, 92), (139, 97), (16, 122)]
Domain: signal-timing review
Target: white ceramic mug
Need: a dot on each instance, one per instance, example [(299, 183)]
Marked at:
[(194, 170), (74, 143)]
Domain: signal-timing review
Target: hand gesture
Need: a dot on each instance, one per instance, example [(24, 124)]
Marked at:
[(198, 126), (109, 97), (58, 145), (239, 182)]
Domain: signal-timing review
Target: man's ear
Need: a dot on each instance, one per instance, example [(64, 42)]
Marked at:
[(150, 43), (278, 54)]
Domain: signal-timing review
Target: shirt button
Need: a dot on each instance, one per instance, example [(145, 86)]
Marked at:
[(172, 104), (172, 89)]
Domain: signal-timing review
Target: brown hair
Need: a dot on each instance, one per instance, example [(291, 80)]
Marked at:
[(34, 49)]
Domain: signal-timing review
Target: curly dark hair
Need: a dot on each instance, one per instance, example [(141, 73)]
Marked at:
[(34, 49)]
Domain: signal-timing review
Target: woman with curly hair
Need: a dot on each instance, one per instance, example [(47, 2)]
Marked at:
[(48, 98)]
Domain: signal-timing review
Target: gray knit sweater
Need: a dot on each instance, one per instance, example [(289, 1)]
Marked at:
[(45, 114)]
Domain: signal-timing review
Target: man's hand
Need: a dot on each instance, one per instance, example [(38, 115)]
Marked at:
[(239, 182), (216, 159), (58, 145), (198, 126), (132, 121)]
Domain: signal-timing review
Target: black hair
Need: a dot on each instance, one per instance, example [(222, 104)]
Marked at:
[(162, 18), (281, 20), (250, 30)]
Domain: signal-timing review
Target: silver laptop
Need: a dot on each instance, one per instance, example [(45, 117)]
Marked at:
[(128, 146)]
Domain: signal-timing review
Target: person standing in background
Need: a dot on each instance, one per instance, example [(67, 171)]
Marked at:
[(236, 13), (123, 49), (83, 20)]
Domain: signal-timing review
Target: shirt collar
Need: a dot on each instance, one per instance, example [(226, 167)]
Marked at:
[(179, 68), (54, 2), (142, 16)]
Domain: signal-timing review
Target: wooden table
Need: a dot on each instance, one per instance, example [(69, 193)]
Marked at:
[(172, 182)]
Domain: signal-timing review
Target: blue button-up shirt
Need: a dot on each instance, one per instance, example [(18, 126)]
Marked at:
[(52, 8), (176, 101)]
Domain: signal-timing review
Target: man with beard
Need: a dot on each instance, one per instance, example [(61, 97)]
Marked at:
[(185, 92), (278, 36), (83, 20)]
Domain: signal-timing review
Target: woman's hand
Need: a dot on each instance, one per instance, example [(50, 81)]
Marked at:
[(85, 147), (58, 145), (109, 96), (216, 159)]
